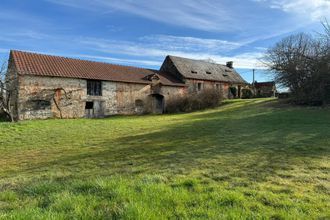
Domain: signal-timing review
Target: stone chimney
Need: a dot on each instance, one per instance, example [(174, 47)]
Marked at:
[(229, 64)]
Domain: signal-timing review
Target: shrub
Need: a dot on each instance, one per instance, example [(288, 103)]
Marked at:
[(283, 95), (193, 102), (247, 94)]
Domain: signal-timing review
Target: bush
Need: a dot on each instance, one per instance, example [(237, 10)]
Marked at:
[(247, 94), (283, 95), (193, 102)]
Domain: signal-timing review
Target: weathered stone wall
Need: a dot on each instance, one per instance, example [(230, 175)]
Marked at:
[(55, 97), (265, 91), (170, 92), (50, 97), (126, 96), (136, 98), (222, 87)]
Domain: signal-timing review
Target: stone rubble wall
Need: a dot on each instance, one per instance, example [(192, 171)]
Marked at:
[(56, 97)]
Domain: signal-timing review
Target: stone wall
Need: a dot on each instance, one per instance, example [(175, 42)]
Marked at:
[(50, 97), (265, 91), (222, 87), (55, 97)]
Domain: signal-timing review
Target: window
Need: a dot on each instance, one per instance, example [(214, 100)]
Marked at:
[(89, 105), (199, 86), (94, 87), (208, 72), (138, 103), (218, 86), (41, 104), (194, 72), (225, 75)]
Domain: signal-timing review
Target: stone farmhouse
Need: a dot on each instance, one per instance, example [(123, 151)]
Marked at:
[(45, 86), (264, 89)]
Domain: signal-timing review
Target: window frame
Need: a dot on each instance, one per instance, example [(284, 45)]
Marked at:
[(94, 87)]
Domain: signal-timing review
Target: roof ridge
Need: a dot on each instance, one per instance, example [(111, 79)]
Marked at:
[(78, 59), (205, 61)]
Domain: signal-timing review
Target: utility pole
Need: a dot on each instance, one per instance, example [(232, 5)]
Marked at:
[(253, 87)]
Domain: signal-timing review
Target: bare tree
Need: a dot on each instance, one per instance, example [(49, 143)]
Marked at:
[(5, 93), (301, 63)]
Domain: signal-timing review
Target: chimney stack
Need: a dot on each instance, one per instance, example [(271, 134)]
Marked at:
[(229, 64)]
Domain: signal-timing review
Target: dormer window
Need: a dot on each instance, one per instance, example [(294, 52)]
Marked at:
[(208, 72), (194, 72), (225, 75)]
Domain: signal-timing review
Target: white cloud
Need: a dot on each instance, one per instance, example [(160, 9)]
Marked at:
[(154, 46), (252, 20), (150, 48), (313, 10), (119, 60), (191, 43), (202, 15)]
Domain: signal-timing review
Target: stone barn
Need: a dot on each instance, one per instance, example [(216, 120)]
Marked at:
[(45, 86), (264, 89), (199, 75)]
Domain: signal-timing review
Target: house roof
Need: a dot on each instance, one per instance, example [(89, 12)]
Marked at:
[(28, 63), (204, 70), (261, 84)]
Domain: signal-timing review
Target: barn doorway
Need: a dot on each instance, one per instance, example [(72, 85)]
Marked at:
[(94, 109), (157, 103)]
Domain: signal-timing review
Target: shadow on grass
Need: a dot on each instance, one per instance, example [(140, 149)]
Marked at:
[(253, 143)]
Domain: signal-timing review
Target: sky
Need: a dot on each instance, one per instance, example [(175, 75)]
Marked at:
[(142, 32)]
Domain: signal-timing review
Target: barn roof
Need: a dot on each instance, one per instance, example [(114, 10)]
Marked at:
[(204, 70), (28, 63)]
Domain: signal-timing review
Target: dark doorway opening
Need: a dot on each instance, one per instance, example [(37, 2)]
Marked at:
[(157, 103), (94, 109), (89, 105)]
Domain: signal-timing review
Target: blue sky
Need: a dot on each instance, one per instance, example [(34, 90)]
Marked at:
[(142, 32)]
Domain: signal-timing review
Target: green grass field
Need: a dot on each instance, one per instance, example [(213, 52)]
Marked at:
[(251, 159)]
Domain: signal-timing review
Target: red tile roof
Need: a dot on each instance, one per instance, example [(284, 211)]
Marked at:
[(28, 63)]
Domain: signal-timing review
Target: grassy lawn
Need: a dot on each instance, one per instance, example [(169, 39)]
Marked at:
[(248, 159)]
